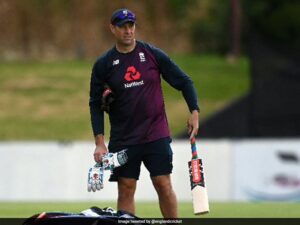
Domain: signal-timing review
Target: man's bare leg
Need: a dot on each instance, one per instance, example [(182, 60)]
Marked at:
[(166, 195), (126, 190)]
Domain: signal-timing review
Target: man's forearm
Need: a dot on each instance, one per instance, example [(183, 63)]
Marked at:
[(190, 96), (97, 118)]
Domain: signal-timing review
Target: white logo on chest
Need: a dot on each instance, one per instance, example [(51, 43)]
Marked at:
[(142, 57), (116, 62)]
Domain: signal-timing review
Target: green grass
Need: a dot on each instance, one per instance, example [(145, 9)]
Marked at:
[(151, 209), (49, 100)]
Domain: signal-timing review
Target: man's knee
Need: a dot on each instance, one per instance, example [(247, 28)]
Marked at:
[(126, 187), (162, 184)]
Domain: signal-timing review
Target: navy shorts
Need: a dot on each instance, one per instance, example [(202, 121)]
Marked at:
[(157, 156)]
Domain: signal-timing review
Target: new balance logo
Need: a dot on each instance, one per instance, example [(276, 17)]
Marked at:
[(116, 62)]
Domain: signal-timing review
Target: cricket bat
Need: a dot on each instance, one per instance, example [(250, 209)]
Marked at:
[(199, 192)]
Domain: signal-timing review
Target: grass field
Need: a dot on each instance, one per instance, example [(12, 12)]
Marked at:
[(49, 100), (151, 210)]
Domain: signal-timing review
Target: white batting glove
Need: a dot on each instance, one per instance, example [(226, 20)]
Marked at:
[(95, 178), (113, 160), (109, 162)]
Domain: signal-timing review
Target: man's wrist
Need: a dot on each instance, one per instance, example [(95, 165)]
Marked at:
[(195, 111), (99, 139)]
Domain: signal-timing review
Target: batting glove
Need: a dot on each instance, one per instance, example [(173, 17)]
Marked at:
[(95, 178), (109, 162), (113, 160)]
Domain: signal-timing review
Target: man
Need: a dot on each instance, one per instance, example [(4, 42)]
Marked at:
[(137, 115)]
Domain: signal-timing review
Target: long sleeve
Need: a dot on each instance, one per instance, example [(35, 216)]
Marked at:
[(96, 89), (173, 75)]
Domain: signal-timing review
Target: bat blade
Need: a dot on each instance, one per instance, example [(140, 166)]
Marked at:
[(199, 191)]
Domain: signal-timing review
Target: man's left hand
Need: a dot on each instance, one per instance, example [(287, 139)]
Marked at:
[(193, 124)]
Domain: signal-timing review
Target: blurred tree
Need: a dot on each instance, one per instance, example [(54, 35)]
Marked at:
[(179, 8), (78, 28), (210, 26), (276, 20), (271, 109), (235, 24)]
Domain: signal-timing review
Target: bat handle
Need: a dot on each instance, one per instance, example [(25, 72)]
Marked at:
[(194, 149)]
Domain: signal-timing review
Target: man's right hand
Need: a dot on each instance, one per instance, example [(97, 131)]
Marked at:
[(99, 152), (100, 149)]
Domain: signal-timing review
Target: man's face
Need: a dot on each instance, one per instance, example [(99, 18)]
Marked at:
[(124, 34)]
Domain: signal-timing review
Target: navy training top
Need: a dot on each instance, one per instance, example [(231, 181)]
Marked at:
[(137, 114)]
